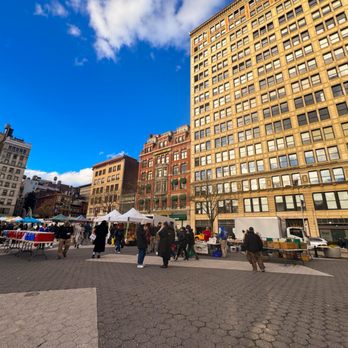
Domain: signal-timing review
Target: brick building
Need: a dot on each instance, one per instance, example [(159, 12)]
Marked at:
[(164, 175)]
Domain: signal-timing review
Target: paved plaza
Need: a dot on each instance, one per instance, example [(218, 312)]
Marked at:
[(108, 302)]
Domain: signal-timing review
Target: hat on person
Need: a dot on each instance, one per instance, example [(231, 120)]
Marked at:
[(251, 229)]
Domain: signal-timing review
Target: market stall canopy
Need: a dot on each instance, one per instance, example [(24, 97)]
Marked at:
[(81, 218), (14, 219), (159, 218), (60, 218), (30, 220), (133, 215), (111, 217)]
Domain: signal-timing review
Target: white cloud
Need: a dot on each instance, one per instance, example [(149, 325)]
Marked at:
[(39, 11), (53, 8), (80, 62), (82, 177), (101, 153), (119, 23), (73, 30), (76, 5), (178, 68), (113, 155)]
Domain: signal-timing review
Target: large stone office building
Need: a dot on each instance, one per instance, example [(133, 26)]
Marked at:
[(14, 155), (269, 116)]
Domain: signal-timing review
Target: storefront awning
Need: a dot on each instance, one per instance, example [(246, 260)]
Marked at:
[(178, 216)]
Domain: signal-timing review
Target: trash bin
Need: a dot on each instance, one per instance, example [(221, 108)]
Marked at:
[(333, 252)]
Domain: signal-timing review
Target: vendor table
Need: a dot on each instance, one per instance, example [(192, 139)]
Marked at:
[(296, 253), (26, 241)]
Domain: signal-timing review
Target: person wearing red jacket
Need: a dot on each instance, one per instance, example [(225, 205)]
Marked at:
[(207, 234)]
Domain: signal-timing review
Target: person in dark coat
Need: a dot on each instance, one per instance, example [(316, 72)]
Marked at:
[(164, 244), (141, 244), (253, 245), (190, 237), (63, 235), (101, 231), (182, 244), (119, 238)]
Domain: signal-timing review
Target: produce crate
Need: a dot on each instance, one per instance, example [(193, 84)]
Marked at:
[(276, 245), (288, 245)]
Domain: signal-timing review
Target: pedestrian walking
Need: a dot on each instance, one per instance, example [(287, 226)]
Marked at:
[(87, 231), (141, 244), (119, 238), (182, 244), (223, 235), (100, 231), (64, 235), (164, 244), (190, 237), (78, 235), (253, 245)]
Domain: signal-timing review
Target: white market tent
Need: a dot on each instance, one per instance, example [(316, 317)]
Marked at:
[(134, 216), (111, 217), (159, 218)]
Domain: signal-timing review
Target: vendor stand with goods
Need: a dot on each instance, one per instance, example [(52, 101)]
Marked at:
[(290, 249), (27, 241)]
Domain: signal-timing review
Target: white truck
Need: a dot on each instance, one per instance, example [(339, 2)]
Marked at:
[(268, 227)]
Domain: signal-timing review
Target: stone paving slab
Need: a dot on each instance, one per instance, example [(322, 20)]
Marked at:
[(49, 319), (186, 306), (214, 264)]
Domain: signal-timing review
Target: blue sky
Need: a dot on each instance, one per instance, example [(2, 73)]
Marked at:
[(85, 79)]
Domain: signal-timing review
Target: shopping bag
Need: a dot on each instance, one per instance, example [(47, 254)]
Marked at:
[(92, 237)]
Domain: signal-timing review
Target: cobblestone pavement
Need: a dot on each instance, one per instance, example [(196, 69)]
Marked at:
[(175, 307)]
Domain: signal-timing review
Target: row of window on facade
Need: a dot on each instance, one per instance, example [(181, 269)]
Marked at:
[(106, 199), (163, 172), (176, 184), (110, 188), (174, 202), (321, 200), (110, 170), (108, 179), (312, 116), (314, 177), (278, 162)]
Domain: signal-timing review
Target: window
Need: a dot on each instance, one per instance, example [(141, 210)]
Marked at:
[(321, 155), (309, 157), (289, 202), (259, 204), (333, 153), (338, 174), (342, 108), (313, 177), (328, 133), (330, 200)]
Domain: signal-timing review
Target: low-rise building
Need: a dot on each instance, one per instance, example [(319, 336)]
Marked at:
[(114, 181)]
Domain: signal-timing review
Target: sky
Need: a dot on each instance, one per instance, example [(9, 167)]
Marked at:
[(84, 80)]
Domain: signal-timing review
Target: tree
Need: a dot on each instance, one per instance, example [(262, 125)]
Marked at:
[(207, 198)]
